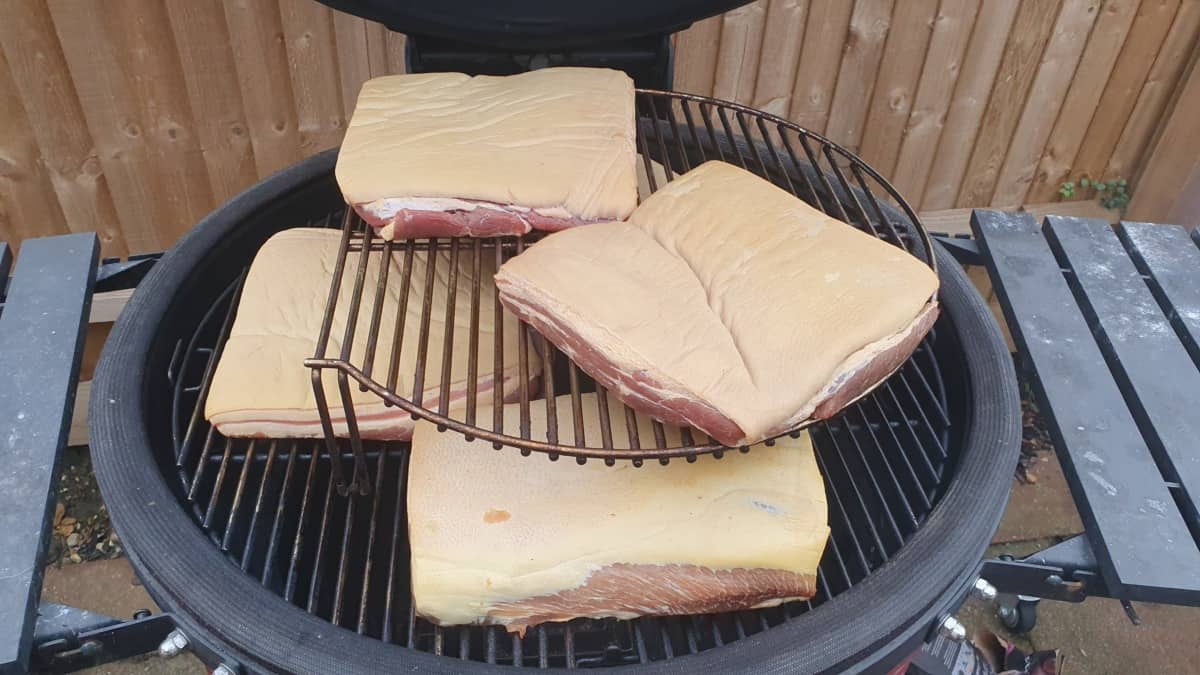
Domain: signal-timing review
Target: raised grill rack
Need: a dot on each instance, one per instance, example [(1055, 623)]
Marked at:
[(675, 133)]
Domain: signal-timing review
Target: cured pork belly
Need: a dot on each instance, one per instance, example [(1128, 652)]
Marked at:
[(497, 538), (446, 154), (727, 304), (262, 388)]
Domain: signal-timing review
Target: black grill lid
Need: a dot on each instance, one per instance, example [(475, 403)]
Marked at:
[(535, 24)]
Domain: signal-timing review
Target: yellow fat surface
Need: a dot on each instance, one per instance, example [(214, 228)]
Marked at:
[(490, 526), (557, 137)]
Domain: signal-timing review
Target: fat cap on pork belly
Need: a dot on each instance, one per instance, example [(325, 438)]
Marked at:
[(447, 154), (739, 309)]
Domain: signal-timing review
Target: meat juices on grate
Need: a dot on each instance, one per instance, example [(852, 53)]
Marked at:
[(261, 387), (728, 305), (533, 541), (446, 154)]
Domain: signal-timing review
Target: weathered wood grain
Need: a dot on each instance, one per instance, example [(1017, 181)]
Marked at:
[(1160, 86), (1168, 191), (312, 63), (741, 44), (1060, 61), (943, 62), (1030, 32), (210, 75), (1083, 97), (970, 99), (825, 33), (27, 203), (783, 37), (896, 84), (856, 76), (256, 34), (1150, 28)]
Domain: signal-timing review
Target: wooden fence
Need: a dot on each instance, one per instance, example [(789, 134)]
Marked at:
[(136, 117)]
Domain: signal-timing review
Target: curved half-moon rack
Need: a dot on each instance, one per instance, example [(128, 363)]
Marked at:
[(675, 133)]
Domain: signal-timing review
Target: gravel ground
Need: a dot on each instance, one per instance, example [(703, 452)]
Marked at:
[(82, 531)]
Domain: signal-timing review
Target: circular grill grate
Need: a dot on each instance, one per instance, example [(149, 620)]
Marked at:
[(273, 507), (676, 132)]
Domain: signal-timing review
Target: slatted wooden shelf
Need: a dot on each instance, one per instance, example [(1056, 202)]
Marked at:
[(1106, 319)]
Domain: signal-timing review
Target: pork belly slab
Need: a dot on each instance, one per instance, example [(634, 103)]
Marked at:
[(262, 388), (447, 154), (727, 304), (498, 538)]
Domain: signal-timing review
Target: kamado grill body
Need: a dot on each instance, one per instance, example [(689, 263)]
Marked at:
[(252, 548), (268, 567)]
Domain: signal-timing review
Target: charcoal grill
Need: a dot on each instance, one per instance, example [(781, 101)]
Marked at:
[(291, 555)]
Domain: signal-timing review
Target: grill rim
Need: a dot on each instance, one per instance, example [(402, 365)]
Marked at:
[(189, 576)]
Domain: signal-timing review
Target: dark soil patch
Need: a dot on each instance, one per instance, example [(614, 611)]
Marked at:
[(1035, 437), (82, 530)]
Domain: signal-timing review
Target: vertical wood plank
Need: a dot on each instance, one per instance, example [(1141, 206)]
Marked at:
[(312, 63), (816, 76), (856, 76), (396, 43), (741, 44), (210, 77), (696, 56), (1083, 95), (781, 44), (1169, 188), (943, 62), (1028, 38), (1045, 99), (55, 116), (28, 207), (967, 105), (1182, 40), (377, 58), (112, 117), (896, 85), (354, 60), (142, 38), (257, 38), (1150, 27)]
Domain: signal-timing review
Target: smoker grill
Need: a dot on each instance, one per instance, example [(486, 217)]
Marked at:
[(266, 564)]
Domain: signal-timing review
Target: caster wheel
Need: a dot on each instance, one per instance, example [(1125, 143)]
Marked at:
[(1020, 617)]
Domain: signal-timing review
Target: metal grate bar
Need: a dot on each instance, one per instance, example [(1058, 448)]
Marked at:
[(298, 541), (448, 331), (276, 521), (914, 482), (473, 334), (368, 564), (418, 389), (230, 295), (314, 586), (398, 551), (875, 492), (401, 315), (385, 266), (234, 510)]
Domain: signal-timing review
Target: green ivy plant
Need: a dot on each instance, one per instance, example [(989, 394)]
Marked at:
[(1113, 194)]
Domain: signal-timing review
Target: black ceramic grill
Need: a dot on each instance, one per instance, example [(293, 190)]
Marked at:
[(268, 559)]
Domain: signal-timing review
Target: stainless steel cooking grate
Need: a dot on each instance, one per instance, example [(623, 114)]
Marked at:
[(675, 133), (272, 506)]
